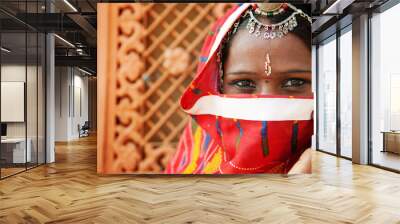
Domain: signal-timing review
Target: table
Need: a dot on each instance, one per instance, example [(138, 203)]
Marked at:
[(15, 148), (391, 141)]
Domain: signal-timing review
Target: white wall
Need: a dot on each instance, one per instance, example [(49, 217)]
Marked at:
[(33, 127), (12, 73), (71, 94), (61, 103), (80, 85)]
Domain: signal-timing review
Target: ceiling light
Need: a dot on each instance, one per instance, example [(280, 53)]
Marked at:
[(70, 5), (333, 6), (5, 50), (337, 7), (84, 71), (65, 41)]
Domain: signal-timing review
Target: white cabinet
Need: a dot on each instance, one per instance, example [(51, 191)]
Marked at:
[(16, 147)]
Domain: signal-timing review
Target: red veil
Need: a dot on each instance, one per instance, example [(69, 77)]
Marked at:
[(234, 134)]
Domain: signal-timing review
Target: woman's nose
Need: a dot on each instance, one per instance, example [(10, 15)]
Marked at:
[(266, 88)]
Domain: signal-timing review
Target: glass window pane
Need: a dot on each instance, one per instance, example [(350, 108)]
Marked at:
[(31, 97), (14, 150), (346, 94), (32, 85), (23, 86), (327, 96), (41, 98), (385, 114)]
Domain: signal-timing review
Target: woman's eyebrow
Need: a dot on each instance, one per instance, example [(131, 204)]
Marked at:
[(242, 73), (296, 71)]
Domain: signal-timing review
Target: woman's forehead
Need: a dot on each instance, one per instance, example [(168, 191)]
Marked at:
[(287, 51), (244, 41)]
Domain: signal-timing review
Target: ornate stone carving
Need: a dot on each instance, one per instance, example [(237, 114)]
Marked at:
[(139, 118)]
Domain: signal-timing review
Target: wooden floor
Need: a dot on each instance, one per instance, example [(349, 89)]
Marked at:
[(70, 191), (388, 159), (10, 171)]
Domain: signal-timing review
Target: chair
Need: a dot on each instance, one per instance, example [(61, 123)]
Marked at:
[(84, 130)]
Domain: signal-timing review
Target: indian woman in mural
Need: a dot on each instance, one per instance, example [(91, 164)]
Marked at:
[(251, 101)]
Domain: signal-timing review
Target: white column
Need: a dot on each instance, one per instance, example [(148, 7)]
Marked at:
[(50, 99), (314, 90), (360, 90), (50, 92)]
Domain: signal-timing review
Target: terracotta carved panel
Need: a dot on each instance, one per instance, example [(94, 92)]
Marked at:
[(147, 55)]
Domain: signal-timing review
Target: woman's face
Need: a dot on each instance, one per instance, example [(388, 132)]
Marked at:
[(244, 68)]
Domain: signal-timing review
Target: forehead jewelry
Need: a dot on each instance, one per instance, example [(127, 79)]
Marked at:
[(273, 12), (275, 30), (267, 65)]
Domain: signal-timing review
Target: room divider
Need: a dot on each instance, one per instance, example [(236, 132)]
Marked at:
[(147, 55)]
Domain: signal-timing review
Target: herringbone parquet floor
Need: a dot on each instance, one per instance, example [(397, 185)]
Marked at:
[(70, 191)]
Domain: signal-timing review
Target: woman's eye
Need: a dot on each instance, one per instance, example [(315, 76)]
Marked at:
[(245, 83), (293, 83)]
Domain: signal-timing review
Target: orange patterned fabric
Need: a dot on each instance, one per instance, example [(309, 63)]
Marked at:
[(217, 144), (197, 153)]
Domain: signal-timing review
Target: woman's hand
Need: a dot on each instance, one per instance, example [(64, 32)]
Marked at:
[(303, 165)]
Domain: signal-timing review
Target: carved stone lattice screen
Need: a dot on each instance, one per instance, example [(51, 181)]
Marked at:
[(147, 55)]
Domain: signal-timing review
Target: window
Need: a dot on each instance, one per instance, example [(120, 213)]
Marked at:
[(346, 92), (385, 89), (22, 77), (327, 96)]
